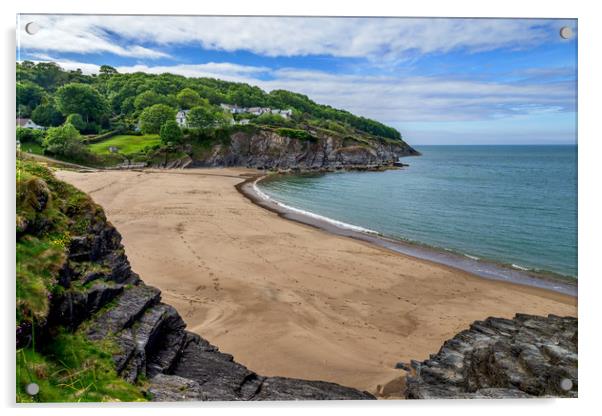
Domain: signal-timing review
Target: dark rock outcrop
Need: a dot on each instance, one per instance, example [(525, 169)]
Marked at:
[(266, 149), (105, 300), (528, 356)]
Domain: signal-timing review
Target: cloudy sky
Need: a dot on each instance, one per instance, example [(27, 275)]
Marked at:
[(438, 81)]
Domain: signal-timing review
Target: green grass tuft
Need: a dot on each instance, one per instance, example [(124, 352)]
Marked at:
[(72, 369)]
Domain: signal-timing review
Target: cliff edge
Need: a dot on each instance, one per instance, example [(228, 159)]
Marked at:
[(88, 290)]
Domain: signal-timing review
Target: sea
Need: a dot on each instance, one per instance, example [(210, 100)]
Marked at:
[(508, 208)]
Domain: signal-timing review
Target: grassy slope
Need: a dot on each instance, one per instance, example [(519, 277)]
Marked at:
[(69, 368), (126, 144)]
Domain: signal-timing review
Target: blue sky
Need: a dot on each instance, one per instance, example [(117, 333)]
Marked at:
[(438, 81)]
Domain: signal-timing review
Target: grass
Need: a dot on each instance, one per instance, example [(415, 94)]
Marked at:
[(67, 367), (126, 144), (71, 368), (34, 148)]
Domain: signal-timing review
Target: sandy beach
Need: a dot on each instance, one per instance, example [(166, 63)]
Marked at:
[(285, 298)]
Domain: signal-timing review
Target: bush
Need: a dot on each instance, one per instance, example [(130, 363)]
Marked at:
[(272, 120), (65, 142), (77, 121), (296, 134), (30, 135)]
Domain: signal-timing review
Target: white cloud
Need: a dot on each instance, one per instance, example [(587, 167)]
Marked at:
[(77, 34), (382, 38), (223, 70)]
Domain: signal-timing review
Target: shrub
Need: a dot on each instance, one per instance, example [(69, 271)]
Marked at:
[(296, 134), (77, 121), (29, 135)]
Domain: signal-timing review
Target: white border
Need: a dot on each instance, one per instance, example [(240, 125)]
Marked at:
[(590, 209)]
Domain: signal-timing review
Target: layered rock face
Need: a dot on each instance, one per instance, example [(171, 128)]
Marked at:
[(528, 356), (268, 150), (105, 299)]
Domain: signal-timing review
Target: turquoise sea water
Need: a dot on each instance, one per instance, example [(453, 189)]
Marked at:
[(514, 205)]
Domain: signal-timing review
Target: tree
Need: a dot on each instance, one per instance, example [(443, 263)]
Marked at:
[(153, 117), (49, 75), (77, 121), (47, 115), (202, 117), (29, 95), (56, 137), (188, 98), (29, 135), (148, 98), (171, 132), (107, 70), (82, 99), (65, 141)]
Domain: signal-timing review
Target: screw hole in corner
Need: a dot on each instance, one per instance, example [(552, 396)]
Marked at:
[(32, 28)]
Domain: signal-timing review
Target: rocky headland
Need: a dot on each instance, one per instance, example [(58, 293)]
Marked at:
[(528, 356), (270, 150)]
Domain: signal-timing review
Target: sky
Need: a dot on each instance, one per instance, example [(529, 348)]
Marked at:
[(438, 81)]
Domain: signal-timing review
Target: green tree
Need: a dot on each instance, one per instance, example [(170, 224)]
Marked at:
[(49, 75), (47, 115), (29, 95), (188, 98), (82, 99), (171, 132), (107, 70), (29, 135), (153, 117), (206, 116), (56, 137), (76, 120), (148, 98), (64, 141)]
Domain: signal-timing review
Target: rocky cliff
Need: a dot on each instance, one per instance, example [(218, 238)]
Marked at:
[(269, 149), (99, 296), (528, 356)]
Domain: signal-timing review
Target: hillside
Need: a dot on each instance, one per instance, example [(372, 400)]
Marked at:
[(193, 117), (89, 329)]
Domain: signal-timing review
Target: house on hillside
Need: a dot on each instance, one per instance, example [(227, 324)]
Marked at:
[(233, 109), (27, 123), (283, 113), (181, 118), (258, 110)]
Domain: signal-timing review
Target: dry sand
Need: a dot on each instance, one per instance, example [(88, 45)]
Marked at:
[(285, 298)]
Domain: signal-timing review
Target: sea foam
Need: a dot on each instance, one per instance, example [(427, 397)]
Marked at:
[(310, 214)]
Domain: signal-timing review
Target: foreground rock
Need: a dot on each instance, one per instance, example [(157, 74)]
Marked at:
[(528, 356), (105, 300)]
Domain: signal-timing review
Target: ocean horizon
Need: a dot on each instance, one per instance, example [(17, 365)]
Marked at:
[(511, 205)]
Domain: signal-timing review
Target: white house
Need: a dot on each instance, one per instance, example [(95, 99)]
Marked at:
[(181, 118), (234, 109), (28, 124), (283, 113), (257, 110)]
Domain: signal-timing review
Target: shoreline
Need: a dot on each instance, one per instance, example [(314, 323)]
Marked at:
[(465, 263), (286, 298)]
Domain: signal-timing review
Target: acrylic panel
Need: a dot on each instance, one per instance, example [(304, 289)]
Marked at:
[(232, 208)]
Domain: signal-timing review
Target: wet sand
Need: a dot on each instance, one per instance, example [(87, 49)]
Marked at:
[(286, 298)]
